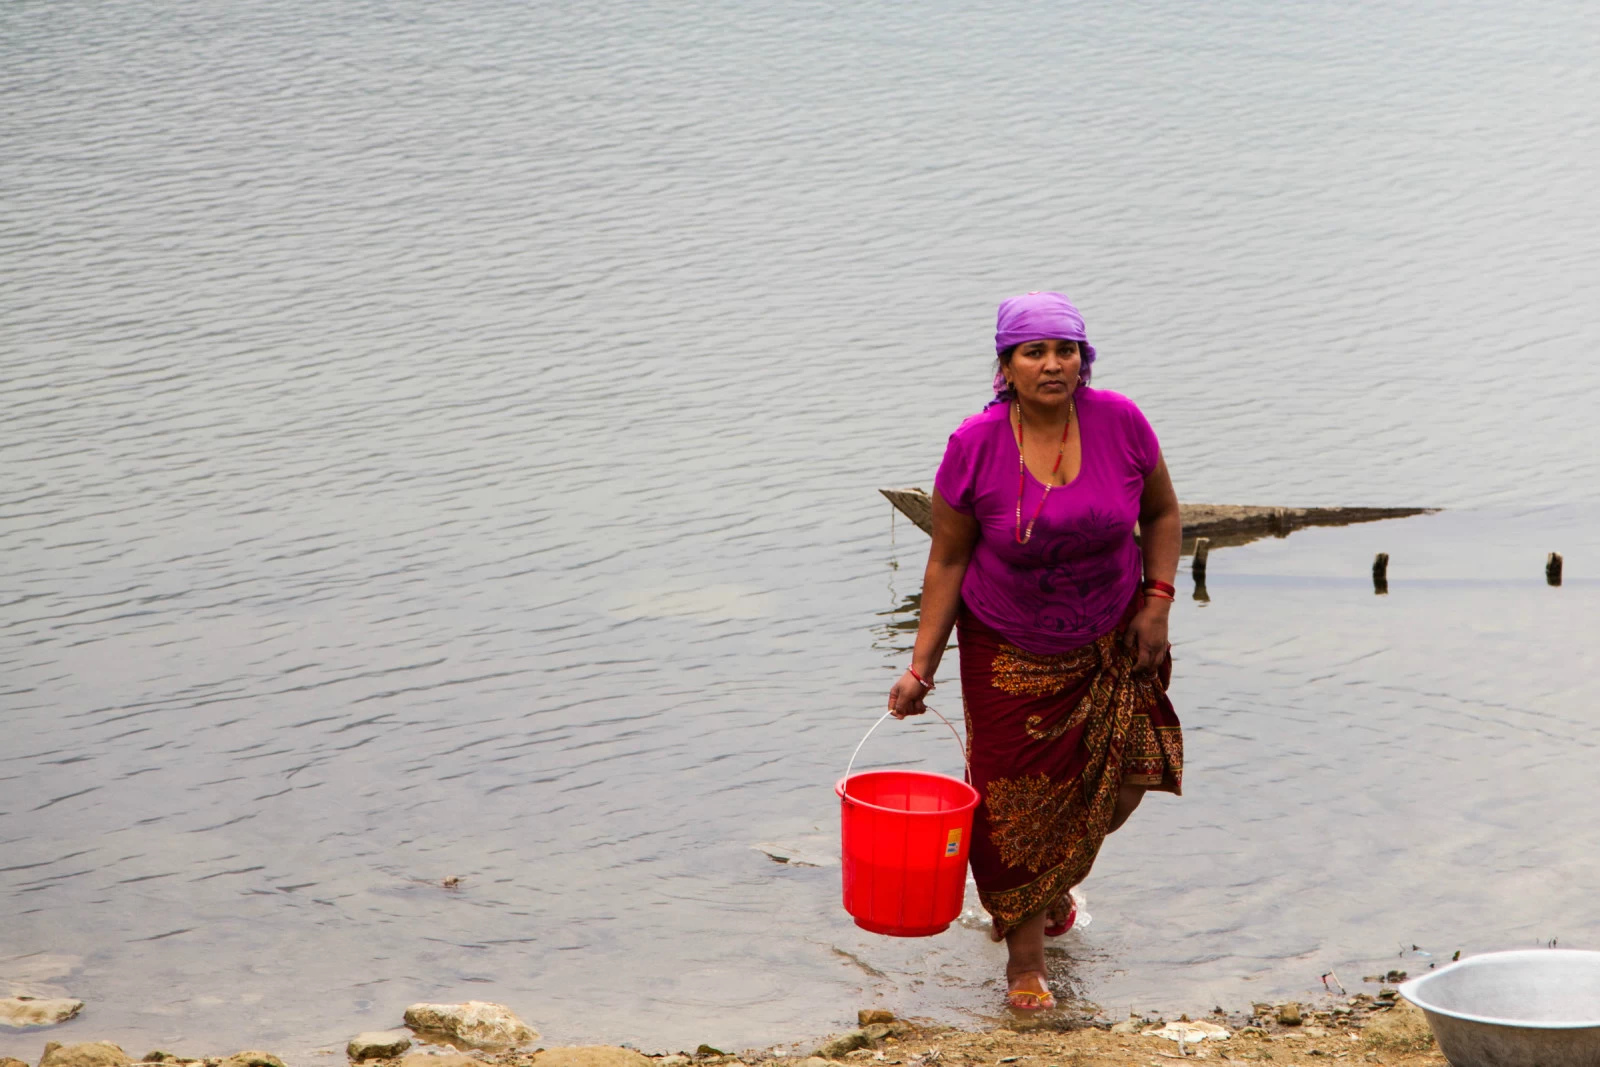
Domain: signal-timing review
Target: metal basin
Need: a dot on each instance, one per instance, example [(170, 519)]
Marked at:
[(1535, 1008)]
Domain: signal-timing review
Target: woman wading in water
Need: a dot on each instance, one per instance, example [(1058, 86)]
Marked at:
[(1061, 619)]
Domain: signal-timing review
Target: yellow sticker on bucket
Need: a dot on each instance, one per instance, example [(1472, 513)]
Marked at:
[(952, 845)]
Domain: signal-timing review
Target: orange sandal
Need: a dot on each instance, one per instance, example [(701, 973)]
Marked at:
[(1028, 1000)]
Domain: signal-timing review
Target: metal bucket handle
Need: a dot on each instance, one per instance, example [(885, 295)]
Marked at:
[(953, 733)]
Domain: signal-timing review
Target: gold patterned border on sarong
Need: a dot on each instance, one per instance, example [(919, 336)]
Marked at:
[(1011, 908)]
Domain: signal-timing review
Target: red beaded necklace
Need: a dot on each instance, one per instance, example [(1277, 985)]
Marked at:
[(1022, 536)]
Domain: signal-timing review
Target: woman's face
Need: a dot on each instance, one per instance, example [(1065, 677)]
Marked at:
[(1045, 372)]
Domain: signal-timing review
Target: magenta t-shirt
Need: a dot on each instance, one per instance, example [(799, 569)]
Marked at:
[(1074, 578)]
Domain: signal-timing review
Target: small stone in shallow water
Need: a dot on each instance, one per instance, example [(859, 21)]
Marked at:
[(37, 1011), (868, 1016), (377, 1045)]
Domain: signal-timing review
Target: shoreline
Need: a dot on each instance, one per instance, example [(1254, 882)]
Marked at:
[(1359, 1028)]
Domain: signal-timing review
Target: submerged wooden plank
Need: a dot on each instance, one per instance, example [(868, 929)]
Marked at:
[(1223, 524)]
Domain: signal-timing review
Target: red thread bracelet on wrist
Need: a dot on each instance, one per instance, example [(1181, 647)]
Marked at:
[(929, 686), (1151, 583)]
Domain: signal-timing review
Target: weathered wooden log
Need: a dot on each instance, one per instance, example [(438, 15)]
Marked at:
[(914, 504), (1220, 524), (1202, 552), (1380, 573)]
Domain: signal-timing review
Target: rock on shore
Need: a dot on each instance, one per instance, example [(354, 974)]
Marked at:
[(250, 1058), (85, 1054), (476, 1024)]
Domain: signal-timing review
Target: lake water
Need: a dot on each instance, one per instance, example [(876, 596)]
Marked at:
[(442, 440)]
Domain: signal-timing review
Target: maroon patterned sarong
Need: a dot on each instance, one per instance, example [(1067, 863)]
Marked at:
[(1052, 739)]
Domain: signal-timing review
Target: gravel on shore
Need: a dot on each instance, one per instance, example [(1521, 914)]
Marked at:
[(1356, 1030)]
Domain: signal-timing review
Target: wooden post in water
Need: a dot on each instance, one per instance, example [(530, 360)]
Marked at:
[(1380, 574), (1202, 549), (1552, 569)]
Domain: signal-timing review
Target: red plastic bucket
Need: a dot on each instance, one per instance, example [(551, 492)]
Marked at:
[(904, 840)]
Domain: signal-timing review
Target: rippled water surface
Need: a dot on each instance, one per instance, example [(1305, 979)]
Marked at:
[(441, 440)]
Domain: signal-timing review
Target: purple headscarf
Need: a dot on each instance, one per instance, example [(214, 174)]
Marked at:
[(1038, 316)]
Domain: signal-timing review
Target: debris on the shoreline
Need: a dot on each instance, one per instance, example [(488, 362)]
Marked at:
[(1190, 1032), (1392, 977), (21, 1011), (474, 1024)]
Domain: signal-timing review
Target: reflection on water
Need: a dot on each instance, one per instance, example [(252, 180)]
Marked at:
[(441, 441)]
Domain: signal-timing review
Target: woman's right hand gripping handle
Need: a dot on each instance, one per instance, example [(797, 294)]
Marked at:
[(906, 696)]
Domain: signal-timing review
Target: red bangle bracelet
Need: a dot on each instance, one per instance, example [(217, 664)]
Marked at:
[(929, 686), (1159, 595), (1151, 583)]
